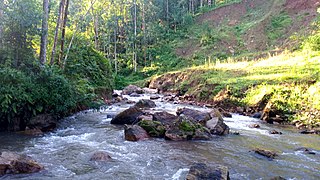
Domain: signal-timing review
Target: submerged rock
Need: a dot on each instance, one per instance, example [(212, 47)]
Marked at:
[(128, 116), (135, 133), (275, 132), (100, 156), (312, 131), (257, 115), (201, 171), (134, 95), (254, 126), (305, 150), (12, 163), (196, 116), (145, 104), (132, 89), (266, 153), (227, 114), (278, 178), (154, 97), (31, 132)]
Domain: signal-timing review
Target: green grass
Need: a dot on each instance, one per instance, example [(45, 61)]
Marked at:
[(290, 81)]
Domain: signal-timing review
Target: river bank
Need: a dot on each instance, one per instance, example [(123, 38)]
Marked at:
[(282, 88)]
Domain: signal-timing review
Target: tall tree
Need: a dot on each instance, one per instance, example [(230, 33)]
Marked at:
[(56, 32), (135, 36), (44, 32), (63, 31)]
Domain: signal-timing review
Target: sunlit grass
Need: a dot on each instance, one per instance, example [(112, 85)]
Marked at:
[(291, 81)]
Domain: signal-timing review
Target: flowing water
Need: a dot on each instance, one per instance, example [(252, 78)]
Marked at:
[(65, 153)]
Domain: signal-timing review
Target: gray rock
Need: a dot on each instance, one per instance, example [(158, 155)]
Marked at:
[(12, 163), (196, 116), (201, 171), (132, 89), (135, 133), (266, 153), (165, 118), (128, 116), (154, 97), (44, 122), (145, 104), (217, 126), (100, 156)]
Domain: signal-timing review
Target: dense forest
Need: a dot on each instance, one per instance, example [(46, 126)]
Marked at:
[(62, 56)]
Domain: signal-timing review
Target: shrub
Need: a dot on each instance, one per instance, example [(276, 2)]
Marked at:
[(24, 96)]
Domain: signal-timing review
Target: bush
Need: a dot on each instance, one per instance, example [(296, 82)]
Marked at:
[(24, 96), (90, 72)]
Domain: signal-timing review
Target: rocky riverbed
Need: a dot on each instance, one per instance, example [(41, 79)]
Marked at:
[(88, 146)]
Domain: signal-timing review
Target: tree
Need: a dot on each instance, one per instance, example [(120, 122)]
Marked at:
[(56, 32), (44, 32), (63, 32)]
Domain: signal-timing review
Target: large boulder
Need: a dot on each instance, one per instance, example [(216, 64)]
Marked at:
[(217, 127), (186, 129), (13, 163), (128, 116), (145, 104), (100, 156), (132, 89), (201, 171), (135, 133), (216, 124), (44, 122), (153, 128), (165, 118), (196, 116)]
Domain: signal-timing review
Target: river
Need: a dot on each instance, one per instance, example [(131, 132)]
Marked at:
[(66, 152)]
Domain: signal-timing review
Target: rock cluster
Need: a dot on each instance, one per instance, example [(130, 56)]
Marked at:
[(188, 124)]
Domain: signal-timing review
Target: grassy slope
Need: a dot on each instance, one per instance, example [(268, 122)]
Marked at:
[(287, 84)]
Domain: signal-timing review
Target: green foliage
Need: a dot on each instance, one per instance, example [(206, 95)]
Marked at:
[(278, 25), (23, 96), (90, 71)]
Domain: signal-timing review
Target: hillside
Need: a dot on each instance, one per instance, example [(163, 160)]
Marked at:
[(248, 27), (251, 56)]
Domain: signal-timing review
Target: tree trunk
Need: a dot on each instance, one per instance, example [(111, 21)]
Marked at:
[(56, 32), (201, 3), (95, 27), (144, 34), (135, 37), (115, 45), (1, 22), (167, 11), (63, 32), (44, 33)]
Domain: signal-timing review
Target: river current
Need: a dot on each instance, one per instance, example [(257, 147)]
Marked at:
[(66, 152)]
